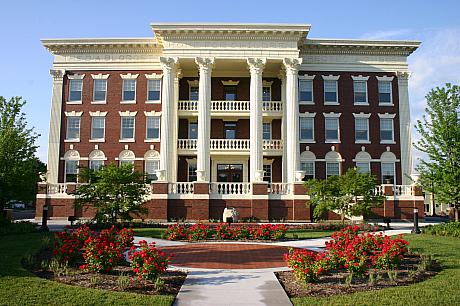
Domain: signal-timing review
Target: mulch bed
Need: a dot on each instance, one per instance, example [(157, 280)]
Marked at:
[(120, 278), (334, 282)]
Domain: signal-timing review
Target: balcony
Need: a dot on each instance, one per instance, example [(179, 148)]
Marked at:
[(230, 108), (270, 146)]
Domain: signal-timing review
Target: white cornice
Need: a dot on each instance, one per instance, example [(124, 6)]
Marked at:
[(129, 76), (387, 116), (361, 115), (100, 76), (73, 114), (98, 114), (360, 78), (127, 114), (154, 76), (102, 45), (385, 78)]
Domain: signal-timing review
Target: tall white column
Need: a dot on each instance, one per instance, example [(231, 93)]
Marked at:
[(173, 158), (167, 104), (405, 127), (55, 126), (204, 119), (293, 172), (282, 77), (256, 67)]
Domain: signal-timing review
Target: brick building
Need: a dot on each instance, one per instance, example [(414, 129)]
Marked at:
[(230, 115)]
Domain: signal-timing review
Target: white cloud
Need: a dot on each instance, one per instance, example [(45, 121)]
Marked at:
[(392, 34)]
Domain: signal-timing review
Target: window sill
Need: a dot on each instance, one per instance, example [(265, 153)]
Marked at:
[(72, 140), (126, 140), (153, 102), (387, 142), (362, 141), (128, 102), (152, 140), (99, 102), (74, 102), (97, 140), (361, 104), (306, 102), (332, 141), (307, 141), (331, 103), (386, 104)]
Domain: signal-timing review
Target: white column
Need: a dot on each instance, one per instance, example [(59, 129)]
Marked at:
[(55, 126), (167, 104), (256, 67), (204, 119), (175, 125), (282, 77), (293, 172), (405, 127)]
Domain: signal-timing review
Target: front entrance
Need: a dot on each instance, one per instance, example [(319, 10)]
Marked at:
[(231, 173)]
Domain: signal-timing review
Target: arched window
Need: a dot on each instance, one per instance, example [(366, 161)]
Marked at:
[(333, 160), (152, 164), (387, 164), (72, 160), (126, 157), (307, 164), (96, 159), (363, 162)]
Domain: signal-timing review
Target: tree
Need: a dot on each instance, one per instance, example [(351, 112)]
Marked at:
[(113, 191), (439, 129), (18, 165), (351, 194)]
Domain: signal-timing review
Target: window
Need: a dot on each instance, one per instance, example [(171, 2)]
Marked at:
[(267, 130), (151, 167), (363, 167), (129, 90), (385, 92), (100, 90), (306, 128), (154, 90), (230, 93), (75, 90), (127, 127), (153, 127), (73, 128), (126, 162), (386, 130), (71, 171), (332, 129), (194, 93), (388, 173), (97, 128), (306, 90), (332, 168), (266, 93), (191, 172), (360, 92), (330, 91), (361, 129), (193, 130), (230, 130), (96, 164), (267, 173), (309, 169)]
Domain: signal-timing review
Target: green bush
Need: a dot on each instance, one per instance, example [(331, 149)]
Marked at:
[(451, 229), (17, 228)]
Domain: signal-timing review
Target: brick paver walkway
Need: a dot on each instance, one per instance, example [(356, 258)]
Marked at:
[(227, 256)]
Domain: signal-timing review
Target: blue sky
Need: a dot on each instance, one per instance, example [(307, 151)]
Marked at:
[(24, 63)]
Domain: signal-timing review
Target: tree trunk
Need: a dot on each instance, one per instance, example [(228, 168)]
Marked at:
[(456, 213)]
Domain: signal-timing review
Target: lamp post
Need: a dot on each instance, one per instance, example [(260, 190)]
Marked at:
[(44, 226), (415, 230)]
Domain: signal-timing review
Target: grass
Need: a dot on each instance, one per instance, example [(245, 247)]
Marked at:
[(19, 287), (301, 233), (443, 289)]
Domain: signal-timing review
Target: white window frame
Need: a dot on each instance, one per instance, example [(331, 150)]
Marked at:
[(333, 162), (147, 128), (154, 76), (360, 78), (149, 81), (302, 162), (270, 88), (336, 116), (131, 77), (77, 169), (389, 117), (127, 114), (310, 116), (188, 170), (96, 77), (271, 171), (363, 116), (73, 114), (73, 78), (308, 78), (91, 162), (394, 171), (368, 163), (385, 79), (331, 78), (92, 139), (265, 124)]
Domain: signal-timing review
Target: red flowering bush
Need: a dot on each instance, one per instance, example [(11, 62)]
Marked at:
[(176, 232), (199, 231), (66, 247), (223, 231), (101, 254), (148, 262), (269, 231), (242, 232), (307, 265), (390, 254)]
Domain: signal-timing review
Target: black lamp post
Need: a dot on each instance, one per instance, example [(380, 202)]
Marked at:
[(44, 226), (415, 230)]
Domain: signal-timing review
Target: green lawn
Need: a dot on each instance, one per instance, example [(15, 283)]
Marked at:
[(443, 289), (19, 287), (149, 232)]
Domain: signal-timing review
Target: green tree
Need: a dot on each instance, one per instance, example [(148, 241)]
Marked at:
[(115, 192), (439, 129), (351, 194), (18, 165)]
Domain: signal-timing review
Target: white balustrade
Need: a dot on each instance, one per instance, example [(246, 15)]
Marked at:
[(180, 188), (232, 106), (379, 190), (60, 188), (230, 188), (272, 106), (229, 144), (187, 106), (279, 188), (402, 190), (186, 144), (273, 144)]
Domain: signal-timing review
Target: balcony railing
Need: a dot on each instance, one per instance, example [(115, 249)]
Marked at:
[(186, 144), (230, 188), (402, 190), (180, 188), (279, 188), (187, 106), (229, 144), (230, 106), (272, 144), (272, 106), (60, 188)]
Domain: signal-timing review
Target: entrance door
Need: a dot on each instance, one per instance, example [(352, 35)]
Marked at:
[(231, 173)]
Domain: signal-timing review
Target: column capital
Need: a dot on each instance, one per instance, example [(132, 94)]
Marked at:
[(282, 74), (168, 63), (403, 75), (205, 63), (256, 65), (57, 74), (292, 65)]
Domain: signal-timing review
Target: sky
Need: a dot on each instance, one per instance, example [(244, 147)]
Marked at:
[(24, 63)]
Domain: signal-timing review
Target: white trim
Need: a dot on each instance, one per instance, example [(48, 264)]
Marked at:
[(100, 76), (361, 115), (129, 76), (360, 78), (127, 114), (94, 90), (332, 115), (146, 127), (152, 114), (91, 131), (366, 117), (367, 91), (385, 78), (229, 160), (133, 139), (331, 77), (387, 116), (230, 83), (307, 77), (334, 79), (123, 91), (73, 114), (75, 76), (154, 76), (266, 83), (147, 94), (98, 114)]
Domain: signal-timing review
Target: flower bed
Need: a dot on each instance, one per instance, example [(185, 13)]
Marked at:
[(222, 231)]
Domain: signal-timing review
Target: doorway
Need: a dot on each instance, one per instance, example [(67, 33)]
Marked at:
[(231, 173)]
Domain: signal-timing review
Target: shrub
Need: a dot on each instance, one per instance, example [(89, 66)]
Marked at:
[(8, 228), (101, 254), (307, 265), (223, 231), (444, 229), (66, 247), (176, 232), (148, 262), (242, 232), (199, 231)]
